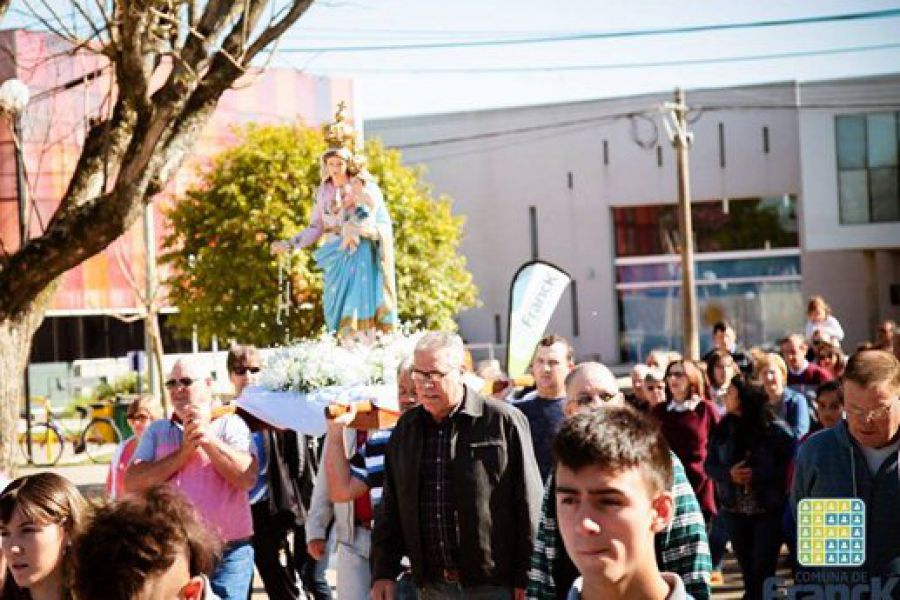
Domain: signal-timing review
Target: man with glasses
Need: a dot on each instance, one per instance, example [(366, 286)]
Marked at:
[(212, 463), (682, 548), (858, 458), (462, 490)]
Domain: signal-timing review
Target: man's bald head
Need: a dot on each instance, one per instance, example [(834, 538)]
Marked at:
[(589, 386)]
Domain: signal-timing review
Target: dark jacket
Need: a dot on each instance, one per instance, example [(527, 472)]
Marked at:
[(830, 464), (291, 473), (771, 451), (496, 493)]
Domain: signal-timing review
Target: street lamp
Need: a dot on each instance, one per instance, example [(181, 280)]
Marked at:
[(13, 100)]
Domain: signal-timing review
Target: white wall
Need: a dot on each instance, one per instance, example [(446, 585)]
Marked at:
[(497, 163)]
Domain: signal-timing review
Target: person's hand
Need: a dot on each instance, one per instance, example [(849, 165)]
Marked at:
[(336, 425), (316, 548), (281, 246), (196, 427), (383, 589), (741, 474)]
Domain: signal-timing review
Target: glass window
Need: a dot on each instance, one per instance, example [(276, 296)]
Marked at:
[(854, 196), (851, 141), (741, 224), (762, 312), (881, 132), (867, 156), (885, 195)]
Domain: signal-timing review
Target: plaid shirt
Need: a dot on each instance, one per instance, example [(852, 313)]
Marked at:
[(682, 549), (438, 517)]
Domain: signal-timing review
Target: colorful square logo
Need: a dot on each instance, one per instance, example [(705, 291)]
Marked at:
[(836, 537)]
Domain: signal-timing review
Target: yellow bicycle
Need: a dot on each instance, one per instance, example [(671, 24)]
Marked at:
[(98, 438)]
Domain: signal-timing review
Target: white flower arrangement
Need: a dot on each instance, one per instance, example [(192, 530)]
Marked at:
[(328, 362)]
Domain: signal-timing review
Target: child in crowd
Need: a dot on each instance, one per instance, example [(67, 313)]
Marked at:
[(829, 404), (40, 515), (613, 494), (139, 415), (819, 318), (160, 546)]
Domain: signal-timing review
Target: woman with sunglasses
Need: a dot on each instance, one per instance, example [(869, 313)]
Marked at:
[(139, 415), (686, 420)]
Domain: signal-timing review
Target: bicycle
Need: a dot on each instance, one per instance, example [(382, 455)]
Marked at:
[(99, 438)]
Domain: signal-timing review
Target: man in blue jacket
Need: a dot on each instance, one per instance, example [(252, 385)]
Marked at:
[(858, 459)]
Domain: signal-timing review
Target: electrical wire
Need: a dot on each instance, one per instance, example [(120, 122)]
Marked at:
[(576, 37), (604, 66)]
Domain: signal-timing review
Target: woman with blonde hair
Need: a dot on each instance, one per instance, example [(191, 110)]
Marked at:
[(789, 405), (40, 515)]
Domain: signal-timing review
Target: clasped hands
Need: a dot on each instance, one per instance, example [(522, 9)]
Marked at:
[(196, 429)]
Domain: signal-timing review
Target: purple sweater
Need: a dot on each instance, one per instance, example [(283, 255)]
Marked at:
[(687, 433)]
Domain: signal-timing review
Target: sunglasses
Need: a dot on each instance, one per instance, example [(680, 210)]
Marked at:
[(245, 370), (139, 418), (183, 382)]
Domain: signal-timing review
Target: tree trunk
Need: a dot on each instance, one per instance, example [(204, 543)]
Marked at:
[(16, 334), (154, 335)]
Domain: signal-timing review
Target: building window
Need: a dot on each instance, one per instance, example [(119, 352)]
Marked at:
[(747, 266), (867, 161)]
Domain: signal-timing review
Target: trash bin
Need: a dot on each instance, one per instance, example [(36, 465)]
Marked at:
[(120, 414)]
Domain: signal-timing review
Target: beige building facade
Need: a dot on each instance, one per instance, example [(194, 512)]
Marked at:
[(795, 192)]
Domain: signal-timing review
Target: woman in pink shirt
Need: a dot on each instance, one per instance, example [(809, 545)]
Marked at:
[(139, 416)]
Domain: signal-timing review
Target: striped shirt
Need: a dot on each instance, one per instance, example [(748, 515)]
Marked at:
[(682, 549), (367, 464)]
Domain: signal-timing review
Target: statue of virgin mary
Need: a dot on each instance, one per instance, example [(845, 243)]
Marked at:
[(357, 251)]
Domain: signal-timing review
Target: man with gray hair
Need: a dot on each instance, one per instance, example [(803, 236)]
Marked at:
[(682, 548), (462, 490), (212, 463)]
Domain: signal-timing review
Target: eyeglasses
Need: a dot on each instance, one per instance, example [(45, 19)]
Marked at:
[(882, 413), (185, 382), (139, 418), (427, 376), (589, 398), (245, 370)]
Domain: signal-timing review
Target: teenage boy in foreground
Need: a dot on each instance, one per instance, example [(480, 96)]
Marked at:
[(613, 482)]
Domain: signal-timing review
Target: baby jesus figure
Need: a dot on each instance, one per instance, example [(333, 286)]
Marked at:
[(358, 215)]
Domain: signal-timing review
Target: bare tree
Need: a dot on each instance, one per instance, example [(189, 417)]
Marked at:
[(196, 50)]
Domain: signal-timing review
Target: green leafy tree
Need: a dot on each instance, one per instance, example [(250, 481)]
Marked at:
[(225, 279)]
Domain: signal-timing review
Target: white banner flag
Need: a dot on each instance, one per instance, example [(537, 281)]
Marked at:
[(535, 292)]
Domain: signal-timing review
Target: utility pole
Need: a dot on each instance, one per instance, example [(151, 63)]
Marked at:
[(681, 141)]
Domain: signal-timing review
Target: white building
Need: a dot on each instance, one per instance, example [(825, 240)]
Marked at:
[(795, 187)]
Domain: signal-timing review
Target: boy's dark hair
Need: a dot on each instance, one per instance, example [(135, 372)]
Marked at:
[(721, 326), (831, 386), (137, 538), (615, 438)]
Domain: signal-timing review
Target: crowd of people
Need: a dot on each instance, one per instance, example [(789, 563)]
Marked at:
[(570, 488)]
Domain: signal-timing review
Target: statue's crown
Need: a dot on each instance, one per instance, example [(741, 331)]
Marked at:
[(340, 134)]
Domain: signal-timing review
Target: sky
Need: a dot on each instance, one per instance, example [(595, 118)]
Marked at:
[(482, 76), (417, 91)]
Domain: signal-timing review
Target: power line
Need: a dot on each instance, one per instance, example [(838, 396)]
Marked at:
[(608, 66), (575, 37), (633, 114)]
